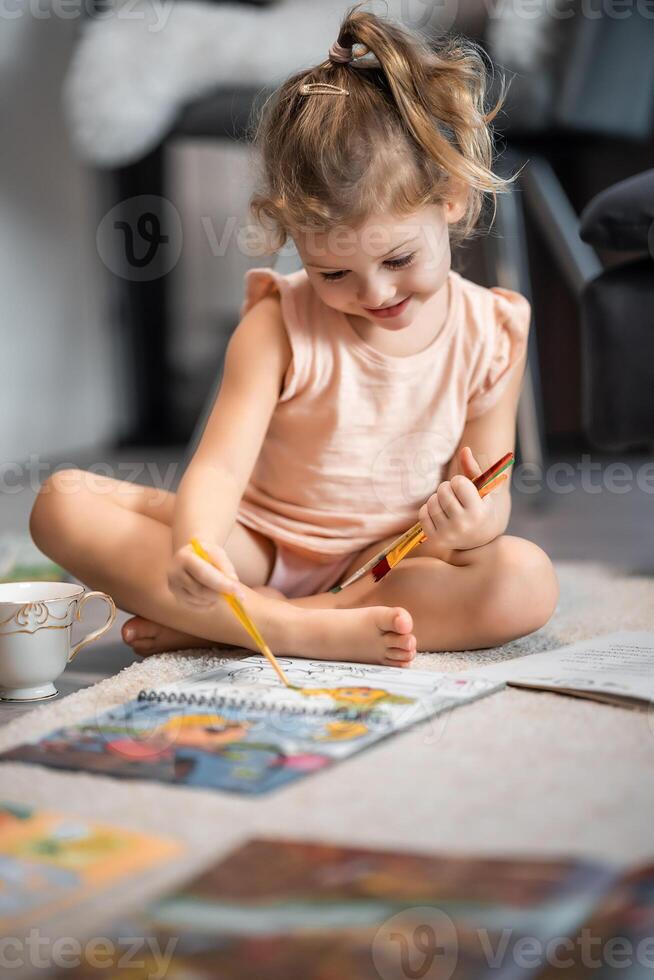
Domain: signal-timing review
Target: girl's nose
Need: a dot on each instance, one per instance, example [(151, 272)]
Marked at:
[(374, 294)]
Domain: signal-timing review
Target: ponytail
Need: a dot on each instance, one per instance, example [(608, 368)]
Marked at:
[(402, 105)]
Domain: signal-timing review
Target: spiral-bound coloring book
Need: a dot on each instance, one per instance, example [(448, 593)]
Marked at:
[(237, 728)]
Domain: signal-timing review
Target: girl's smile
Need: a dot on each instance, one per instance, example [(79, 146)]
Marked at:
[(388, 312)]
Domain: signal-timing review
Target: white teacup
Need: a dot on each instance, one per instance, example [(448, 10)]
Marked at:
[(36, 622)]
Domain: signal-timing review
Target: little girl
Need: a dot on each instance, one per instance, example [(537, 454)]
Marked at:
[(360, 393)]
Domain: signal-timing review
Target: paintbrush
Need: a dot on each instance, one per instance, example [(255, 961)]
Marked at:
[(381, 563), (239, 611)]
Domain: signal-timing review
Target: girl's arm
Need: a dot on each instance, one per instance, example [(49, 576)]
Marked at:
[(493, 434), (455, 517), (258, 355)]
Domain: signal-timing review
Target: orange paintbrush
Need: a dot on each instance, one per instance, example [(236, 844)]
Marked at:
[(388, 557)]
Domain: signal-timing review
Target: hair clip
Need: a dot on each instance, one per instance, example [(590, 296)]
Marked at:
[(322, 88)]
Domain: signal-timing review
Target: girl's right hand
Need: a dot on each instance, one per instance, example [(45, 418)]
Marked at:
[(194, 582)]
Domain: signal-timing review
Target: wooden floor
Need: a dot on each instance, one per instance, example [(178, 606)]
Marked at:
[(584, 507)]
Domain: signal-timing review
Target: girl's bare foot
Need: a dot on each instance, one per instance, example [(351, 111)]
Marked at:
[(374, 634), (146, 638)]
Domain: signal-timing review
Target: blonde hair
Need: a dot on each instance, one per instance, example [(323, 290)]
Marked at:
[(412, 130)]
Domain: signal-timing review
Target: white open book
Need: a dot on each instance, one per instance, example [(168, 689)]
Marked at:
[(617, 668)]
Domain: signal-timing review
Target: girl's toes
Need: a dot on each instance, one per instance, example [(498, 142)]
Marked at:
[(141, 642), (390, 619), (142, 647), (127, 631), (139, 634), (401, 652), (400, 658), (402, 620), (136, 629), (402, 641)]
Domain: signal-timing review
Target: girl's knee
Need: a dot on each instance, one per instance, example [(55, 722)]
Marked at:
[(523, 590), (58, 495)]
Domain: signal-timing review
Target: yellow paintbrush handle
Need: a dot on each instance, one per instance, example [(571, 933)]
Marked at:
[(244, 619)]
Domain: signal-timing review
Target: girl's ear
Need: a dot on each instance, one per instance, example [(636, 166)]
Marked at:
[(456, 203)]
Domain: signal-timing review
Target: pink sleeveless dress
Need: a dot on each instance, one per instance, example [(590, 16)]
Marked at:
[(360, 439)]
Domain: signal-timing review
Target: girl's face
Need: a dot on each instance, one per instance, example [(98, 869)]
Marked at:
[(384, 270)]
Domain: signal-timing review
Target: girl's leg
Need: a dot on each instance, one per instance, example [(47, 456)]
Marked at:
[(475, 599), (103, 531), (251, 553)]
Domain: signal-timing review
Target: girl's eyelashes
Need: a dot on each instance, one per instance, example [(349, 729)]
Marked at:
[(400, 263), (332, 276)]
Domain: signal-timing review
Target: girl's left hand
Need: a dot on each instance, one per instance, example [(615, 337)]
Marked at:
[(456, 516)]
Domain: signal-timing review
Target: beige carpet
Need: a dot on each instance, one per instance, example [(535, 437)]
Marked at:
[(518, 772)]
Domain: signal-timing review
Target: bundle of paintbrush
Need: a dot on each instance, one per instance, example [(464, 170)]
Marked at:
[(388, 557)]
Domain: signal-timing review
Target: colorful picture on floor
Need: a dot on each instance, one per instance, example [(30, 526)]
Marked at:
[(278, 909), (49, 861), (238, 729)]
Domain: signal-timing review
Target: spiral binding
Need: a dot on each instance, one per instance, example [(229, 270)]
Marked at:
[(248, 704)]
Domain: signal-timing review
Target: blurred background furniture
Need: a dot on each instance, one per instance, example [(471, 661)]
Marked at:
[(578, 116), (144, 306), (618, 317)]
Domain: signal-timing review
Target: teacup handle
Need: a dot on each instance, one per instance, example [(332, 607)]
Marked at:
[(96, 634)]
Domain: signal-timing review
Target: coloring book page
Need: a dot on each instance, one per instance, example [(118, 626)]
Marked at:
[(237, 728)]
